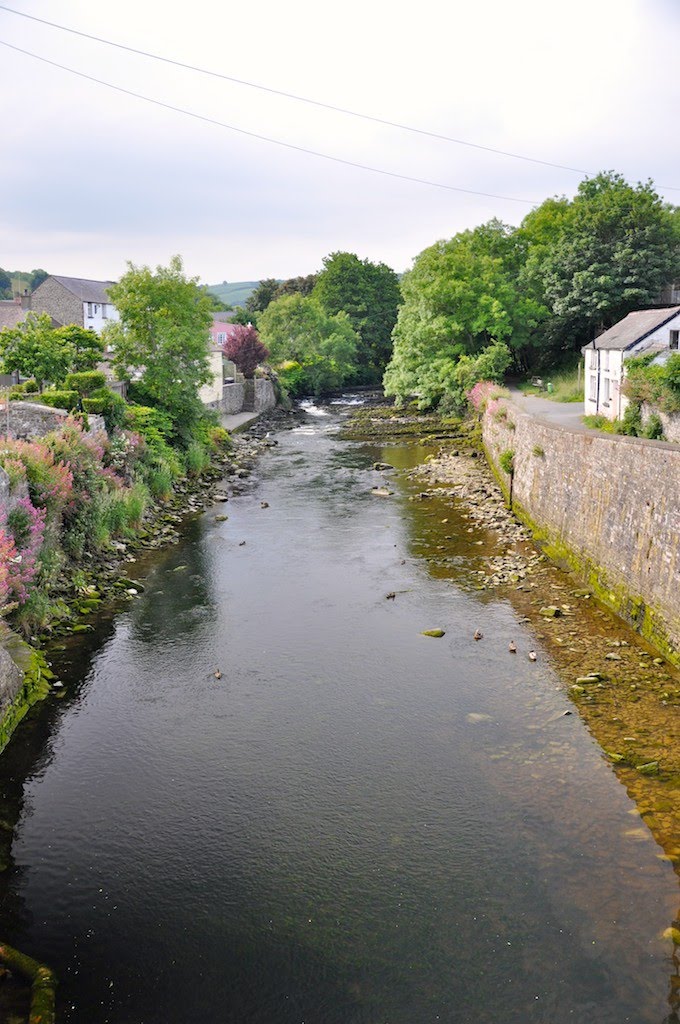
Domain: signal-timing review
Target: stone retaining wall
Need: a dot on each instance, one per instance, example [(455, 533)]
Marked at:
[(30, 419), (669, 421), (265, 395), (607, 506)]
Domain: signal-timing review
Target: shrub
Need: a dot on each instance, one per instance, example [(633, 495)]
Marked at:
[(85, 382), (506, 460), (160, 483), (108, 404), (60, 399), (197, 459), (292, 378), (538, 451), (50, 481), (653, 428), (219, 438), (244, 348), (631, 424)]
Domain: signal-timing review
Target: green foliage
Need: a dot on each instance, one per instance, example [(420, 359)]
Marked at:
[(160, 483), (653, 428), (262, 295), (369, 294), (86, 347), (163, 337), (597, 258), (631, 424), (108, 404), (600, 422), (296, 329), (292, 378), (460, 297), (65, 399), (85, 382), (506, 460), (34, 349), (197, 459), (656, 384)]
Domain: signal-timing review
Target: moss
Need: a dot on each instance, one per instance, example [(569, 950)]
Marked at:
[(35, 687)]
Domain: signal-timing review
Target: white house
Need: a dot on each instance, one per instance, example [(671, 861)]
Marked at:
[(639, 333)]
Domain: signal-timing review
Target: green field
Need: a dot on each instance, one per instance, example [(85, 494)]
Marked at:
[(233, 293)]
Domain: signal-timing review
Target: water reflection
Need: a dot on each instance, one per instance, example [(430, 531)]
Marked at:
[(354, 823)]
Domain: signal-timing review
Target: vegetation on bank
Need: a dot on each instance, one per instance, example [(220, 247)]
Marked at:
[(74, 493), (534, 295)]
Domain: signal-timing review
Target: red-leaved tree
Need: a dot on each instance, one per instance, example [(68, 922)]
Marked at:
[(244, 348)]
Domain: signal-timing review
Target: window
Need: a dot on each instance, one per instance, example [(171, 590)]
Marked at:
[(675, 335), (221, 337), (592, 388), (89, 310), (606, 385)]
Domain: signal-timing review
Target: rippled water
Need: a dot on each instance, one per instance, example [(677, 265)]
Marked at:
[(355, 823)]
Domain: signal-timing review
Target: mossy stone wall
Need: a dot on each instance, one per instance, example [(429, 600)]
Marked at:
[(607, 506)]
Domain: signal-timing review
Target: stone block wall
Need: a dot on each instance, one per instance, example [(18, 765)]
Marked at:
[(607, 506), (61, 304), (233, 397), (265, 395), (29, 419)]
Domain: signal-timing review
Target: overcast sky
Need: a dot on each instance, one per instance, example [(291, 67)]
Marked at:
[(91, 178)]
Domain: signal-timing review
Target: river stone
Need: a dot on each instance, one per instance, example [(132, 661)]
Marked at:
[(551, 611), (476, 718), (432, 632), (650, 768), (382, 466)]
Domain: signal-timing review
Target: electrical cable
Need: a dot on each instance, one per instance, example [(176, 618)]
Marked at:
[(266, 138), (292, 96)]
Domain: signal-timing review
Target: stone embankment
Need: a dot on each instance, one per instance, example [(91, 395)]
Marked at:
[(609, 507)]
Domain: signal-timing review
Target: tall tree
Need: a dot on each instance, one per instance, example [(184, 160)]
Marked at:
[(607, 253), (369, 294), (162, 337), (460, 297), (297, 328), (86, 346), (260, 298)]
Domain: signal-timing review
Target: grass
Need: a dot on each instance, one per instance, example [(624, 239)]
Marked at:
[(565, 386)]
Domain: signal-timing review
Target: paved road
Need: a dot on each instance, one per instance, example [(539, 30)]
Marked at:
[(564, 414)]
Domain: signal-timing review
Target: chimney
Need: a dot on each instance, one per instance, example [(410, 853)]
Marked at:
[(25, 299)]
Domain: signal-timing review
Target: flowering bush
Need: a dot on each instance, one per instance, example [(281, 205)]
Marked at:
[(50, 482), (479, 395)]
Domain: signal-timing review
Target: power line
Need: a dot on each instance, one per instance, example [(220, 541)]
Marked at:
[(266, 138), (293, 96)]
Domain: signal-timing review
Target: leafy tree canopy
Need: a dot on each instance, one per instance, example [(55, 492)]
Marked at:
[(459, 298), (608, 252), (162, 337), (35, 349), (262, 296), (86, 346), (297, 328), (369, 294), (244, 348)]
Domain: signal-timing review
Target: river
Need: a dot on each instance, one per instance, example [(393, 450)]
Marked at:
[(354, 824)]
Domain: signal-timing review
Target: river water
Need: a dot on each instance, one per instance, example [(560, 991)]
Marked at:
[(355, 824)]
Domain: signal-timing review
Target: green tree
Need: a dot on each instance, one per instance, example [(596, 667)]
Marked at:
[(37, 277), (87, 347), (162, 338), (299, 285), (298, 329), (369, 294), (461, 296), (260, 298), (5, 285), (34, 349), (607, 253)]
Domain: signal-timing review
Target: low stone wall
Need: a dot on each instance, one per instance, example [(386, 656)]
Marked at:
[(233, 396), (670, 422), (30, 419), (265, 395), (607, 506)]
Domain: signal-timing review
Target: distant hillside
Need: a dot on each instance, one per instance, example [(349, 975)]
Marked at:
[(234, 293)]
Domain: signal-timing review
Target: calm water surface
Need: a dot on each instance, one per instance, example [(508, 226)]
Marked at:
[(355, 824)]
